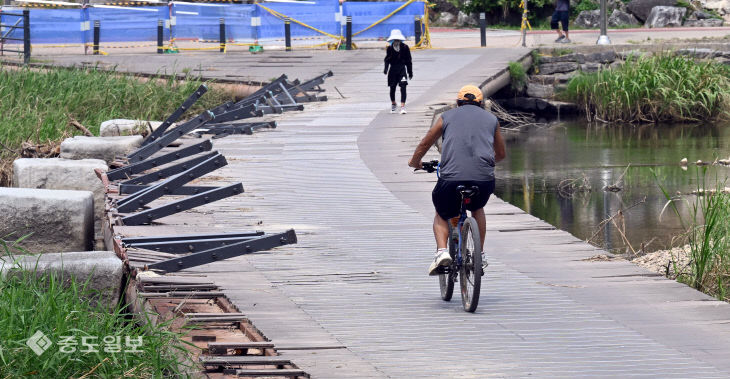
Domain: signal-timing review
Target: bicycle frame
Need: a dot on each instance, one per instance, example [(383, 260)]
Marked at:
[(459, 224)]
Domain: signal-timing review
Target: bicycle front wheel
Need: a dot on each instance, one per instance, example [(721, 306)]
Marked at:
[(470, 273)]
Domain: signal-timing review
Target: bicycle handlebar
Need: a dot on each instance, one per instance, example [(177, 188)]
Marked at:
[(431, 166)]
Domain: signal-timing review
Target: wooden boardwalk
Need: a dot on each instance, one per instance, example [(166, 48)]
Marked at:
[(352, 298)]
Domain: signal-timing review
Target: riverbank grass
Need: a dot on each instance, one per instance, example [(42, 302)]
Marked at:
[(37, 103), (707, 228), (116, 346), (662, 88)]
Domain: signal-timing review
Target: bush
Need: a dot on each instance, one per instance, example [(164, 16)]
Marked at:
[(584, 5), (661, 88), (518, 76)]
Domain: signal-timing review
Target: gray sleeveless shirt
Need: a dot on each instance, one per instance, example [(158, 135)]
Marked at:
[(467, 152)]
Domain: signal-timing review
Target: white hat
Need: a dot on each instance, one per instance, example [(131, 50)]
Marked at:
[(396, 34)]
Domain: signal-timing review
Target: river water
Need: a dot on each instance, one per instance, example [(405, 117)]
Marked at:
[(540, 160)]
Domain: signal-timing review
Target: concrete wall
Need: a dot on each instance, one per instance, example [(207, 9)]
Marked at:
[(58, 220), (104, 148)]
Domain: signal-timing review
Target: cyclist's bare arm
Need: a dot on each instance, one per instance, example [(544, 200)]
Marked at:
[(500, 151), (431, 137)]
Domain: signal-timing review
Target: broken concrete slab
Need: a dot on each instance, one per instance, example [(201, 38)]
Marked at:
[(125, 127), (63, 174), (105, 148), (103, 270), (56, 220)]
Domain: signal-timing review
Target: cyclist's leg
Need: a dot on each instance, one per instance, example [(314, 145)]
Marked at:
[(481, 222), (440, 231)]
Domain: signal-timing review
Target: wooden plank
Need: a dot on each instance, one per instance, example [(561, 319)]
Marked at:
[(241, 345), (208, 360), (285, 372)]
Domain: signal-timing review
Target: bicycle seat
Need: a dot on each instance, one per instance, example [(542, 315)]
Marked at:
[(468, 192)]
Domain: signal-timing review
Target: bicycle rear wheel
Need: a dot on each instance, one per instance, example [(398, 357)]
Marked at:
[(446, 281), (470, 273)]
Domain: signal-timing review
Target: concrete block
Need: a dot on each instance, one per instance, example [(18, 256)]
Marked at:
[(105, 148), (58, 220), (64, 174), (103, 270), (125, 127)]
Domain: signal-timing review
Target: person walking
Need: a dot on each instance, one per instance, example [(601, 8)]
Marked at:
[(561, 14), (398, 59)]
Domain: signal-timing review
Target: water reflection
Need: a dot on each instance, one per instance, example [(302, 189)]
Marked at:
[(538, 161)]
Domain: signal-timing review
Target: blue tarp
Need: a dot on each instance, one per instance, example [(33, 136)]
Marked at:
[(202, 21)]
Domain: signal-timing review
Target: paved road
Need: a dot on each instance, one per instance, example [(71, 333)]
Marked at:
[(352, 298)]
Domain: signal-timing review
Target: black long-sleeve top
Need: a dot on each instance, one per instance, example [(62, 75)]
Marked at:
[(400, 64)]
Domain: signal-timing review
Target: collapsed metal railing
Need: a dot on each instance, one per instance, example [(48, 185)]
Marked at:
[(150, 173)]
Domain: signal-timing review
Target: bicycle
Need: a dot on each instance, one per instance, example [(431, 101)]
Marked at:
[(465, 250)]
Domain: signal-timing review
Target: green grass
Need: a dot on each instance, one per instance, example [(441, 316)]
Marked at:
[(56, 306), (654, 89), (36, 104), (707, 235), (518, 76)]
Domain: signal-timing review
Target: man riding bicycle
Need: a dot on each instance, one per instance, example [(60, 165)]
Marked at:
[(471, 147)]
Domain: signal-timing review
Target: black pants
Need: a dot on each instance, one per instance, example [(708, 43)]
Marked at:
[(402, 92), (562, 17)]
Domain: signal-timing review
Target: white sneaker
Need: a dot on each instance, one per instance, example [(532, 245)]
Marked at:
[(484, 262), (392, 109), (403, 110), (442, 258)]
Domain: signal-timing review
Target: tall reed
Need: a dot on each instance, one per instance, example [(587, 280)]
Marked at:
[(707, 236), (661, 88)]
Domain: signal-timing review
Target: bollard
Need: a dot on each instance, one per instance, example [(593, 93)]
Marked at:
[(417, 26), (483, 28), (223, 35), (26, 36), (97, 26), (348, 33), (287, 34), (160, 34)]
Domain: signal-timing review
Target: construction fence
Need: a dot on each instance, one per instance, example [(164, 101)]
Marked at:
[(321, 22)]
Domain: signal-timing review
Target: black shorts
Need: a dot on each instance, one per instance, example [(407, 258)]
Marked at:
[(562, 17), (448, 201)]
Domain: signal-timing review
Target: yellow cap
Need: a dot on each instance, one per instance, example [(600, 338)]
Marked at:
[(472, 90)]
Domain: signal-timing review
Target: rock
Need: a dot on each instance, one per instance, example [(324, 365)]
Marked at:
[(615, 64), (620, 18), (531, 104), (105, 148), (540, 90), (612, 5), (699, 52), (710, 22), (662, 17), (463, 19), (588, 19), (578, 58), (591, 67), (445, 18), (700, 15), (64, 174), (642, 8), (607, 56), (57, 220), (551, 68), (633, 54), (124, 127), (103, 271)]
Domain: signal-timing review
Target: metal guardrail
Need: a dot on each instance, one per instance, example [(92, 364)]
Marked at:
[(7, 29)]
